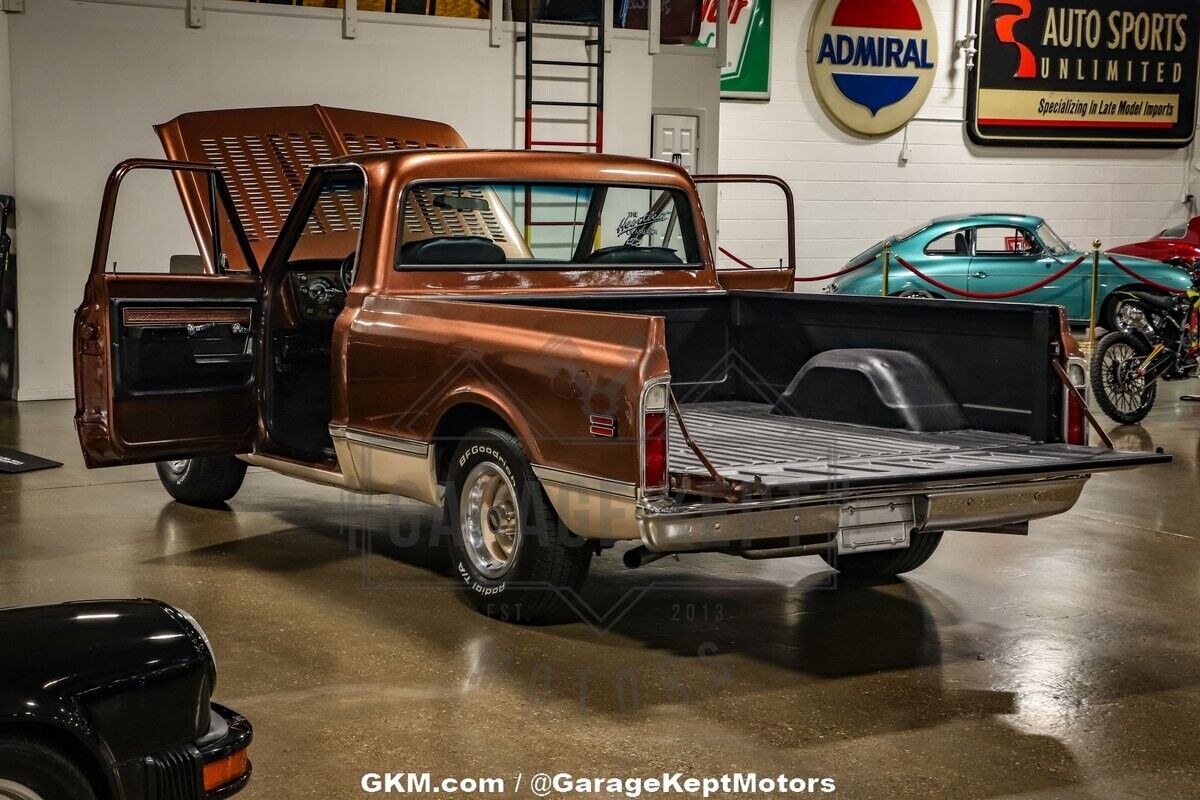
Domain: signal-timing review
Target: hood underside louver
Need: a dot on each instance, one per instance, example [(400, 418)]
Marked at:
[(265, 155)]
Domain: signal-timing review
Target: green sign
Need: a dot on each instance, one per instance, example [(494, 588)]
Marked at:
[(748, 74)]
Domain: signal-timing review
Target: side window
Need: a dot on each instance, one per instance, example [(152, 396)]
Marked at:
[(521, 226), (954, 243), (1004, 241), (152, 234)]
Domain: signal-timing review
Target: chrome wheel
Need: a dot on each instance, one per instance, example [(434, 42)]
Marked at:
[(1124, 387), (491, 519), (918, 294), (11, 790), (178, 467)]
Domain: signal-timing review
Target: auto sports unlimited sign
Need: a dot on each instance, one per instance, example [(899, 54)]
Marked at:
[(872, 63), (747, 76), (1100, 73)]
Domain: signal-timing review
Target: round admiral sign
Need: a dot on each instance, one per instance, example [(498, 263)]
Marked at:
[(872, 62)]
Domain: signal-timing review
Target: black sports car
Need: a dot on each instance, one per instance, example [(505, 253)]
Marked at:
[(109, 700)]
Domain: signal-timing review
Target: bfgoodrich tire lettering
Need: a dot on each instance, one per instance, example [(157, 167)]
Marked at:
[(203, 482), (886, 563), (513, 555), (32, 771)]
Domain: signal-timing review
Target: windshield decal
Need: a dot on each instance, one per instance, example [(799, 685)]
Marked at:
[(636, 227)]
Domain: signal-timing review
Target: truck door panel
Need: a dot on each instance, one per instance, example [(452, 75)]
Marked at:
[(165, 362)]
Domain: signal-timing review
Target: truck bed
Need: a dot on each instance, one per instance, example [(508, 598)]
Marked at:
[(792, 455)]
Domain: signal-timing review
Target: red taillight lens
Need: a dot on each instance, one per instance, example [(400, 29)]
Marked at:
[(224, 772), (1076, 425), (655, 463)]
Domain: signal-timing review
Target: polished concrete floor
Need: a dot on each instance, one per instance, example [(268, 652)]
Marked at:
[(1062, 665)]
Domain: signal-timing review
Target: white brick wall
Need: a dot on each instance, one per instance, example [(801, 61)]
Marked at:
[(852, 192)]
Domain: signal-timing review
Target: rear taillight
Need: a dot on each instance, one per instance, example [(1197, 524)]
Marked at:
[(1077, 427), (654, 438), (656, 451)]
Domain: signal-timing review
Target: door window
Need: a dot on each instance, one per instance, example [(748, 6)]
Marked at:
[(1005, 241), (153, 234)]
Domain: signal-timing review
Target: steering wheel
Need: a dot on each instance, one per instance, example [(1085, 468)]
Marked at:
[(346, 272)]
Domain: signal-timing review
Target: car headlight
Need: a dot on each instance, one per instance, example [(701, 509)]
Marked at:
[(200, 630)]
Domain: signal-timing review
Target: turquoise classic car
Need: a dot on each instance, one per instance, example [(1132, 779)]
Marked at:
[(995, 253)]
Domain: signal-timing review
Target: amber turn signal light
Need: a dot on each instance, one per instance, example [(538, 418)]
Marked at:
[(224, 772)]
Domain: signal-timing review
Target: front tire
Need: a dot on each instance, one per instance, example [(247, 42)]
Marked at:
[(886, 563), (32, 771), (204, 482), (516, 559), (1120, 393)]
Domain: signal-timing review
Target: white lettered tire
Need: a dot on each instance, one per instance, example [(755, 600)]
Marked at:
[(514, 557)]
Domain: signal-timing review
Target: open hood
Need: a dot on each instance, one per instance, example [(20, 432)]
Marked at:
[(265, 154)]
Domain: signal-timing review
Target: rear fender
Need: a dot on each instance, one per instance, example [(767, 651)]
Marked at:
[(544, 371)]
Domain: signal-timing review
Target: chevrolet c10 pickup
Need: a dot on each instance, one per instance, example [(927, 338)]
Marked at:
[(542, 345)]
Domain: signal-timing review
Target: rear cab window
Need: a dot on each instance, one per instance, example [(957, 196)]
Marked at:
[(521, 226)]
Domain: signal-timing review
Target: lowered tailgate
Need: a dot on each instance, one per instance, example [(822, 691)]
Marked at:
[(792, 456)]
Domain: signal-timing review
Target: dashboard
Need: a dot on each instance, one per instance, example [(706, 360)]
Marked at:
[(317, 296)]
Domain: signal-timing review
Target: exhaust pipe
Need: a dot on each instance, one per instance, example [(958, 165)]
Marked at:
[(789, 552)]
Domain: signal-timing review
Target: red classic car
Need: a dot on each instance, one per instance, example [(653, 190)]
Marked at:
[(1178, 245)]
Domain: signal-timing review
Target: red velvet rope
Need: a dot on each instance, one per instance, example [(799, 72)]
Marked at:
[(990, 295), (1152, 284), (830, 276)]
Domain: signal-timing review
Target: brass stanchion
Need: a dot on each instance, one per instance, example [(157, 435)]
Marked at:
[(887, 265), (1095, 296)]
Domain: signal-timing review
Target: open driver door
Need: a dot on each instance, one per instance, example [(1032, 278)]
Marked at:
[(165, 356)]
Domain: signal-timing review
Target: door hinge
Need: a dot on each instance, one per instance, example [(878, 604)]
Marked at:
[(13, 6)]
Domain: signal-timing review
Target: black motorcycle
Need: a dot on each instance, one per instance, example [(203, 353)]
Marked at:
[(1159, 340)]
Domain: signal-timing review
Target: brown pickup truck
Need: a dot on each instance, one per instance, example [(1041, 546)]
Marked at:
[(541, 344)]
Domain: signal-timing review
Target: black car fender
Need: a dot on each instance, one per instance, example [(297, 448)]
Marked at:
[(109, 680)]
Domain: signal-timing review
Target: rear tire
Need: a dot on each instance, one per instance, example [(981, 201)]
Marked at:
[(204, 482), (918, 294), (32, 771), (516, 559), (886, 563), (1117, 393), (1111, 313)]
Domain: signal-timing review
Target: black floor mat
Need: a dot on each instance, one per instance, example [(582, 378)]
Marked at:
[(13, 461)]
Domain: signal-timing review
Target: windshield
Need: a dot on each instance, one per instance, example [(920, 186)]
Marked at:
[(874, 250), (1053, 242), (551, 226)]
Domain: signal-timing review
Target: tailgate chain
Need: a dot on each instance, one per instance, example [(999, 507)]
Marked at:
[(726, 487)]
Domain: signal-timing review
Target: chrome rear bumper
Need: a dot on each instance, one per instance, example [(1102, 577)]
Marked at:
[(667, 527)]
